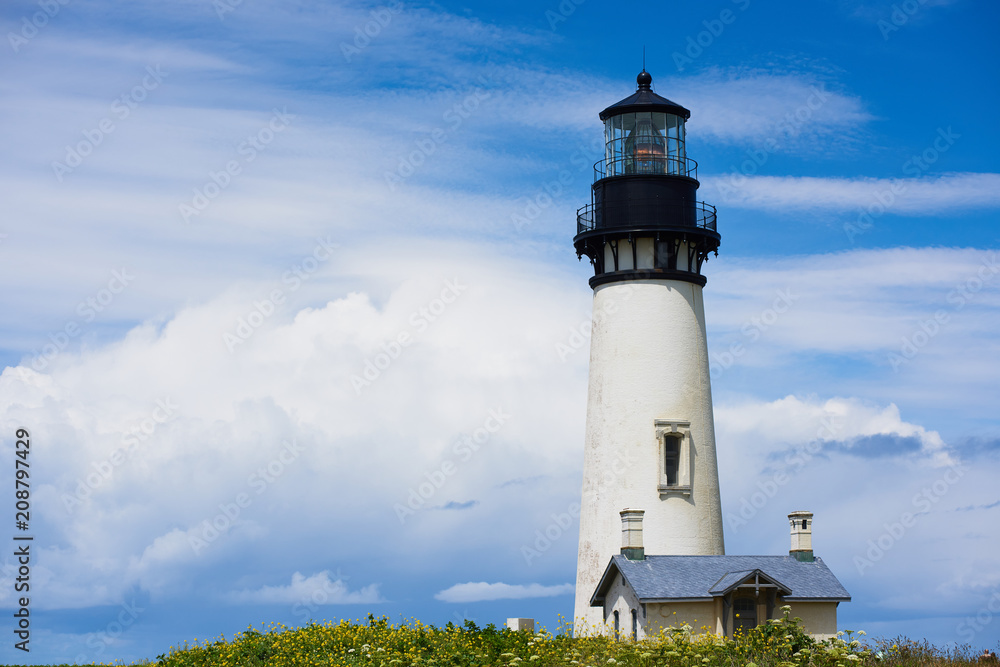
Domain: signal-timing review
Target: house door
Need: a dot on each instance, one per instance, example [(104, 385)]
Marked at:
[(745, 611)]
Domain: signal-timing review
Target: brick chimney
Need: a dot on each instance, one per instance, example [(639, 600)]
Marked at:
[(802, 543), (632, 534)]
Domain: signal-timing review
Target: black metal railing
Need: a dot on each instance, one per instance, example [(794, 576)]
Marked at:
[(646, 213), (670, 165)]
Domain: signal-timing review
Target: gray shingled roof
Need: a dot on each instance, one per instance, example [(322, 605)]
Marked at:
[(697, 577)]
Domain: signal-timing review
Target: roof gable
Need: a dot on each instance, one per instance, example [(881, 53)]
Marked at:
[(733, 580)]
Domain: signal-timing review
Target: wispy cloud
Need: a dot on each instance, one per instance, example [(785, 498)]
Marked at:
[(482, 591), (744, 107), (969, 508), (454, 505), (931, 195), (850, 302)]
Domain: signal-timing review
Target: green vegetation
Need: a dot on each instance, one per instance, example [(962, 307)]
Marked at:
[(378, 643)]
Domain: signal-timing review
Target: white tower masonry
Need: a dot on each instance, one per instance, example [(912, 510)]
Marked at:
[(650, 438)]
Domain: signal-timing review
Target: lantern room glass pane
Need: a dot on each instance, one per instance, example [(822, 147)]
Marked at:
[(681, 137), (675, 144), (644, 147), (613, 136), (609, 140), (618, 138), (660, 122), (672, 126), (628, 123)]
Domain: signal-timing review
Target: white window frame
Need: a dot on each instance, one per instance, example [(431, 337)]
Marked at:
[(682, 430)]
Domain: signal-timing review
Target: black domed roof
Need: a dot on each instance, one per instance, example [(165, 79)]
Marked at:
[(644, 99)]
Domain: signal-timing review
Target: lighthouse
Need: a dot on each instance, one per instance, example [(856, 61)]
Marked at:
[(650, 436)]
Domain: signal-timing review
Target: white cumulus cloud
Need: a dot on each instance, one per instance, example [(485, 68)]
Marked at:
[(317, 589)]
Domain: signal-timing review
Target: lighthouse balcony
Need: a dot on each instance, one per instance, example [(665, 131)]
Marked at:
[(646, 215), (651, 164)]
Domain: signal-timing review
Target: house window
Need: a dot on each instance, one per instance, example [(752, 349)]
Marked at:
[(745, 610), (616, 624), (635, 627), (805, 523), (674, 449)]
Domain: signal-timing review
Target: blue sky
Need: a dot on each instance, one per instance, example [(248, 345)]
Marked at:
[(277, 265)]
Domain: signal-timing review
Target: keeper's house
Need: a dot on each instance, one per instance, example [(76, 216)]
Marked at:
[(640, 595)]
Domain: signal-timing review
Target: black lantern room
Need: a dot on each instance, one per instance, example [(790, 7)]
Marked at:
[(644, 221)]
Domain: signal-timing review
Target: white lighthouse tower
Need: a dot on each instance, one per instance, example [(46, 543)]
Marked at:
[(650, 440)]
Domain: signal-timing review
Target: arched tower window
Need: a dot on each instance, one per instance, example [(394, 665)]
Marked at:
[(674, 448)]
